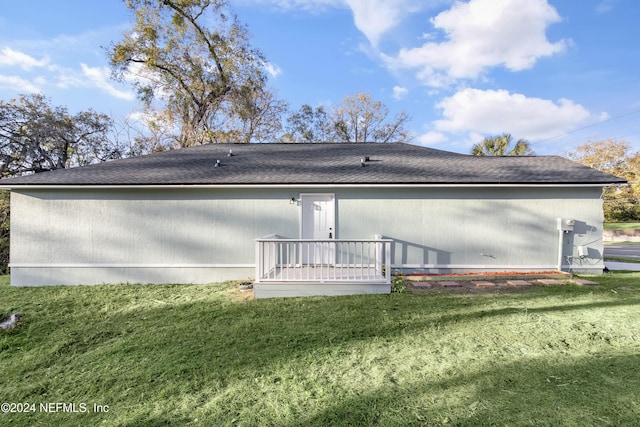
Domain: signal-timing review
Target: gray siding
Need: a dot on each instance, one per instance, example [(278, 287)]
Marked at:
[(488, 227), (205, 235), (125, 235)]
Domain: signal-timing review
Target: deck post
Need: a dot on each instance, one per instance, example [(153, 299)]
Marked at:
[(258, 262), (387, 257), (378, 259)]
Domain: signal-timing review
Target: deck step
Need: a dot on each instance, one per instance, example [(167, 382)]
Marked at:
[(297, 289)]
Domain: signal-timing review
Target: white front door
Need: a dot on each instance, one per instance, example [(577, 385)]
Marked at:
[(318, 223)]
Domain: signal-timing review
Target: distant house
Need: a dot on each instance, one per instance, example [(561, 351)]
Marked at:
[(303, 219)]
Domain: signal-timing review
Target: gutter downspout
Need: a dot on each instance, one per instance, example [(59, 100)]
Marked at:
[(560, 244)]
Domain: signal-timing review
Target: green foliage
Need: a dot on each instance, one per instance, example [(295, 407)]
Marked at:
[(622, 259), (201, 355), (501, 146), (37, 137), (620, 210), (620, 203), (398, 283), (309, 124), (193, 58), (622, 225)]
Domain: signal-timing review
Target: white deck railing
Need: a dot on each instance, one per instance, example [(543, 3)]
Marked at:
[(332, 260)]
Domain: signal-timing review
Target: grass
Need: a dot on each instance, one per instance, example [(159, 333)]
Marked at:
[(622, 225), (622, 259), (626, 243), (205, 355)]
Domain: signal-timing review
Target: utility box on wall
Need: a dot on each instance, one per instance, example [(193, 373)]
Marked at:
[(566, 224)]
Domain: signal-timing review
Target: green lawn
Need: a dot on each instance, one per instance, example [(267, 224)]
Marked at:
[(622, 259), (204, 355), (622, 226)]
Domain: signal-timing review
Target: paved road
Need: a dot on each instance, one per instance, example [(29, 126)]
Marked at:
[(622, 266), (626, 251)]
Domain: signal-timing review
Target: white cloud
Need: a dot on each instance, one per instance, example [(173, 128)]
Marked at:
[(481, 34), (40, 81), (18, 84), (12, 57), (605, 6), (142, 117), (88, 77), (99, 77), (375, 17), (400, 92), (491, 112), (65, 78), (430, 138), (273, 70), (138, 74), (285, 5), (53, 73), (159, 120)]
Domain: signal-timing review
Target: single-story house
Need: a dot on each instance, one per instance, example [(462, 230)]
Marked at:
[(303, 219)]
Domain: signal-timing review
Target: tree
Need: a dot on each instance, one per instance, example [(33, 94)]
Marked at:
[(4, 231), (608, 156), (621, 203), (255, 117), (142, 132), (309, 124), (360, 119), (357, 119), (501, 146), (36, 137), (195, 58)]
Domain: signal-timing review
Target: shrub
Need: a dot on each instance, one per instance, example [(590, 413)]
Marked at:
[(398, 283)]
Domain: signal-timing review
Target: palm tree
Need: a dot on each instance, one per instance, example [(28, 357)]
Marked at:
[(501, 146)]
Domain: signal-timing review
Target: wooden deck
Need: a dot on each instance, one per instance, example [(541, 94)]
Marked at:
[(299, 267)]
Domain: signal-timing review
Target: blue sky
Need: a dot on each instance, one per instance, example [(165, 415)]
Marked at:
[(555, 72)]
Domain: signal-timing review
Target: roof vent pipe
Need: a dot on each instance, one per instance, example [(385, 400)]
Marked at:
[(230, 152), (362, 160), (217, 164)]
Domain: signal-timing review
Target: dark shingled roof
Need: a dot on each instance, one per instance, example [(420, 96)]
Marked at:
[(321, 163)]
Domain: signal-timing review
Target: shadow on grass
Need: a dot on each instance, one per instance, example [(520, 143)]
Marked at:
[(473, 315), (244, 338), (280, 329), (99, 346), (531, 392)]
